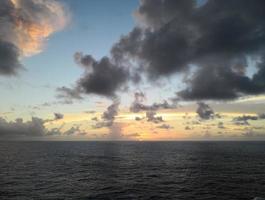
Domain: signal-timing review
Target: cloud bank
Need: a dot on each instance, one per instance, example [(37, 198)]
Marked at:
[(173, 37)]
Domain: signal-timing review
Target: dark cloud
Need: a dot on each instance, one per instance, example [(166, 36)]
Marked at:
[(262, 116), (58, 116), (138, 105), (103, 77), (94, 119), (133, 135), (151, 117), (176, 34), (108, 117), (243, 120), (138, 118), (19, 128), (246, 117), (210, 44), (165, 126), (9, 58), (84, 60), (204, 111), (221, 125)]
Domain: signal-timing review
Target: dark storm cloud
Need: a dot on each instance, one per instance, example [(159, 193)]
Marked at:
[(216, 37), (209, 43), (205, 111)]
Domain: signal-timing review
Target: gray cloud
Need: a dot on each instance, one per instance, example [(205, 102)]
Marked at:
[(246, 117), (138, 105), (262, 116), (103, 77), (205, 111), (94, 119), (176, 34), (221, 125), (32, 129), (19, 128), (243, 120), (69, 93), (9, 61), (108, 117), (151, 117), (58, 116), (165, 126), (138, 118), (171, 36)]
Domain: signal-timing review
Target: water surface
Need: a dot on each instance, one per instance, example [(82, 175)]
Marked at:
[(132, 170)]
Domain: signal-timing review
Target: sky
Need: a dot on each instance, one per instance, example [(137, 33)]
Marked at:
[(141, 70)]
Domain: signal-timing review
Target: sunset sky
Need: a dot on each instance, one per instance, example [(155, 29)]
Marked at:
[(132, 70)]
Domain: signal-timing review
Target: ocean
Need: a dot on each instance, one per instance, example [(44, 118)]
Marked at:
[(132, 170)]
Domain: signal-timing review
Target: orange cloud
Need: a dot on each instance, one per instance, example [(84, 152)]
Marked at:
[(33, 27)]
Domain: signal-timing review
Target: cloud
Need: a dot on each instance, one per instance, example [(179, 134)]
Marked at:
[(34, 128), (68, 93), (179, 37), (243, 120), (151, 117), (221, 125), (138, 105), (27, 24), (138, 118), (94, 119), (18, 128), (133, 135), (108, 117), (173, 35), (9, 61), (246, 117), (250, 134), (165, 126), (103, 77), (58, 116), (205, 111), (262, 116)]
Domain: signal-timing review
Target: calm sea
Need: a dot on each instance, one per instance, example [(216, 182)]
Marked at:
[(132, 170)]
